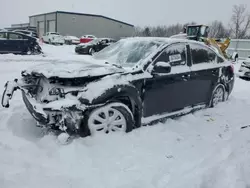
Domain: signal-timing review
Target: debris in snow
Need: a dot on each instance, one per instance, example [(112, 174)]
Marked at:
[(10, 87), (63, 138), (170, 156), (247, 126), (210, 119)]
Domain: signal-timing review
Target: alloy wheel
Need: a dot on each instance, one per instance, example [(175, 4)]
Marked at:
[(107, 120), (92, 51), (218, 96)]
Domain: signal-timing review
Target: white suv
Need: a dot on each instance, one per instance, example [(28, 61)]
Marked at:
[(53, 38)]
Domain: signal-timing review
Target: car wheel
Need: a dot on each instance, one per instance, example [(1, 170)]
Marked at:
[(91, 51), (111, 118), (218, 96), (29, 52)]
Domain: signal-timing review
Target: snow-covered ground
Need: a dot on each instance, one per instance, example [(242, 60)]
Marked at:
[(206, 149)]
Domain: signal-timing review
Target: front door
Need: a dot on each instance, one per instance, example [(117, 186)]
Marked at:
[(170, 92)]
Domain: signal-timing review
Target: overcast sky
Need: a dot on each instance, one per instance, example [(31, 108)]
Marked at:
[(136, 12)]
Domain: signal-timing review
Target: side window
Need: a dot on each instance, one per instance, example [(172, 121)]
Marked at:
[(202, 54), (174, 54), (3, 36), (13, 36)]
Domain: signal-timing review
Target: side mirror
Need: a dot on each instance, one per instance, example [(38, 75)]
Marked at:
[(161, 67), (235, 56)]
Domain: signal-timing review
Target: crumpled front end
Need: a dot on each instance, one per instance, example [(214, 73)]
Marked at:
[(50, 104)]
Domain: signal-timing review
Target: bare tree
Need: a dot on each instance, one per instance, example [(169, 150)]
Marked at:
[(138, 31), (159, 31), (146, 32), (240, 21), (218, 30)]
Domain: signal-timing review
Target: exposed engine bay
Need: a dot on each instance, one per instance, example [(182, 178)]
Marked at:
[(51, 101)]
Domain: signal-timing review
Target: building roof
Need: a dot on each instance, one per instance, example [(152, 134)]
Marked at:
[(93, 15)]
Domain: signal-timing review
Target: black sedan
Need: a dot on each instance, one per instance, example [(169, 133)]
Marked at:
[(131, 83), (93, 46), (18, 43)]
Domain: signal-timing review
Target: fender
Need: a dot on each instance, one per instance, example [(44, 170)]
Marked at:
[(119, 93)]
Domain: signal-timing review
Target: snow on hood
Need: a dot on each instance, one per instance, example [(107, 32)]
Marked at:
[(94, 89), (73, 69)]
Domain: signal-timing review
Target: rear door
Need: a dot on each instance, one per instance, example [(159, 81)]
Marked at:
[(204, 72), (3, 42)]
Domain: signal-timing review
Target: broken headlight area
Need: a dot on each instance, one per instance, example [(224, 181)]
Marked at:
[(57, 91), (62, 92)]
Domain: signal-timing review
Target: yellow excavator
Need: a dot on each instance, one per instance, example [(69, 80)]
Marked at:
[(200, 33)]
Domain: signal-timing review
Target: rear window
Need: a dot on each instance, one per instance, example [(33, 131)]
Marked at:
[(202, 54), (25, 32), (13, 36)]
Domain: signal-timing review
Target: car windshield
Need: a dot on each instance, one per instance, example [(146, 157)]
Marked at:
[(128, 52)]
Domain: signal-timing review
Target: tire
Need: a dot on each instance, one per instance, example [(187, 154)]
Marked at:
[(29, 52), (110, 118), (218, 95), (91, 51)]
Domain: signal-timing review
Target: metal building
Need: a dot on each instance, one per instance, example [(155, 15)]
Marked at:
[(242, 46), (78, 24)]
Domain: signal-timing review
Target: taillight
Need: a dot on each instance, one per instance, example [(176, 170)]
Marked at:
[(232, 68)]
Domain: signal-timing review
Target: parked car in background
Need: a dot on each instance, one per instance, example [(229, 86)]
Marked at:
[(53, 38), (128, 84), (244, 71), (71, 40), (18, 43), (94, 46), (27, 32), (87, 38)]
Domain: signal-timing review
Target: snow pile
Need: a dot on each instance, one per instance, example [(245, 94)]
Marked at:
[(205, 149)]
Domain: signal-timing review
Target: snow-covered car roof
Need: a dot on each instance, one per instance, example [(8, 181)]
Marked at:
[(180, 36), (88, 36), (71, 37)]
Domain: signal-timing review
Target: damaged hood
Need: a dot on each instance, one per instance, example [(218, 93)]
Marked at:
[(73, 69)]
